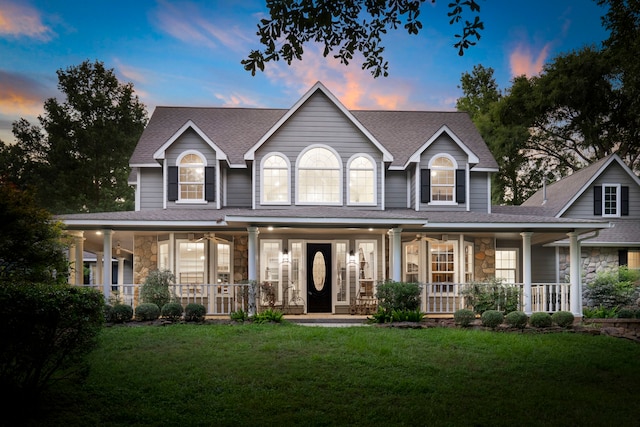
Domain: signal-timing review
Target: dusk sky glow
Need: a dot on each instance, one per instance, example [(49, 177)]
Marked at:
[(188, 53)]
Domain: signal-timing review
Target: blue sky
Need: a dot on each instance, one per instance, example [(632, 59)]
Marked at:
[(188, 53)]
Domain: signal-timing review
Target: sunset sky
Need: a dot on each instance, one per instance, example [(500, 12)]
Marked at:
[(188, 53)]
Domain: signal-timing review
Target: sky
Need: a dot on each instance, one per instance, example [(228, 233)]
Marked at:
[(188, 53)]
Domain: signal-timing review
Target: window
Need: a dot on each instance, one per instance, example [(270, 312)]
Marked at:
[(342, 294), (361, 181), (633, 260), (411, 262), (223, 263), (443, 265), (611, 200), (442, 179), (270, 253), (319, 177), (191, 263), (366, 266), (506, 265), (191, 178), (163, 256), (275, 180), (468, 262)]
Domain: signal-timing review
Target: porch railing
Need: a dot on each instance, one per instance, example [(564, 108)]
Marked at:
[(446, 298), (218, 299)]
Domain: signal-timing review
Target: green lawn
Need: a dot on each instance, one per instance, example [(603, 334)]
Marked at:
[(280, 375)]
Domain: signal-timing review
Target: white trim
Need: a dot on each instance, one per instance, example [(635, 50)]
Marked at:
[(383, 187), (386, 155), (285, 202), (160, 153), (614, 157), (145, 165), (165, 183), (340, 177), (375, 180), (137, 191), (415, 157)]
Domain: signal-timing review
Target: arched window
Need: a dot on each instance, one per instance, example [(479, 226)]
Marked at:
[(442, 179), (319, 177), (191, 177), (275, 180), (361, 181)]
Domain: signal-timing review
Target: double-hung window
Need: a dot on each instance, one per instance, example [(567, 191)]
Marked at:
[(191, 178), (275, 180), (361, 181)]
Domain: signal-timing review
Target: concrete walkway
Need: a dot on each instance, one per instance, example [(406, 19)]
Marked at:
[(327, 320)]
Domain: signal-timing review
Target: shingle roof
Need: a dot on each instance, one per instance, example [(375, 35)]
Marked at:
[(236, 130)]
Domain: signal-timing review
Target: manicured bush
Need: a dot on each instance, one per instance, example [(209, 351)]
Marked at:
[(194, 312), (120, 313), (626, 313), (172, 311), (540, 320), (47, 331), (492, 318), (492, 295), (155, 288), (147, 311), (239, 315), (564, 319), (516, 319), (464, 317), (398, 296)]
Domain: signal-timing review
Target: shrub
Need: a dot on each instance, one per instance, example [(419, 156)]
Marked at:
[(194, 312), (599, 312), (516, 319), (492, 318), (268, 316), (47, 331), (612, 289), (239, 315), (564, 319), (398, 296), (464, 317), (540, 320), (407, 316), (381, 316), (492, 295), (155, 288), (172, 311), (147, 311), (626, 313), (120, 313)]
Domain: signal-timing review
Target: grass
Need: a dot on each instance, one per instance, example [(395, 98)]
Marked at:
[(281, 375)]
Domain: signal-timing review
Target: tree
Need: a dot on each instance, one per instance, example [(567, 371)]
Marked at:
[(348, 26), (31, 247), (77, 157)]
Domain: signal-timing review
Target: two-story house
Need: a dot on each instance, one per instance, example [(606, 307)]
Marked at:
[(321, 202)]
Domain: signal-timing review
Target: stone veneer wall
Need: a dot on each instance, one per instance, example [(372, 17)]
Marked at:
[(145, 257), (484, 250), (594, 260), (240, 259)]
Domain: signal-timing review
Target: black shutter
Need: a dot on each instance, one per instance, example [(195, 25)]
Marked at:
[(425, 186), (623, 257), (597, 200), (460, 185), (210, 184), (172, 184), (624, 200)]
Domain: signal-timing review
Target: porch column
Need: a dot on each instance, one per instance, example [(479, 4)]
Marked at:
[(252, 265), (79, 266), (97, 277), (120, 273), (395, 257), (575, 276), (526, 270), (106, 265)]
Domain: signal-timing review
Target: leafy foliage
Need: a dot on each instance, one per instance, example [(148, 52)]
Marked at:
[(172, 311), (464, 317), (398, 296), (564, 319), (348, 26), (155, 288), (31, 247), (407, 316), (611, 289), (77, 158), (516, 319), (239, 315), (600, 312), (194, 312), (147, 311), (492, 295), (119, 313), (46, 333), (540, 320), (492, 318), (268, 316)]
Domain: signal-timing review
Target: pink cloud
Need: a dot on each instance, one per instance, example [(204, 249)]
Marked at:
[(19, 20), (522, 60), (20, 95)]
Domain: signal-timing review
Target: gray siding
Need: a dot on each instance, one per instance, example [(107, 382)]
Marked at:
[(614, 174), (411, 170), (150, 188), (319, 121), (396, 189), (443, 145), (478, 191), (238, 188), (543, 262)]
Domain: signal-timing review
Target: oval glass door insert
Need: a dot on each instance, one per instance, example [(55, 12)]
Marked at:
[(319, 271)]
